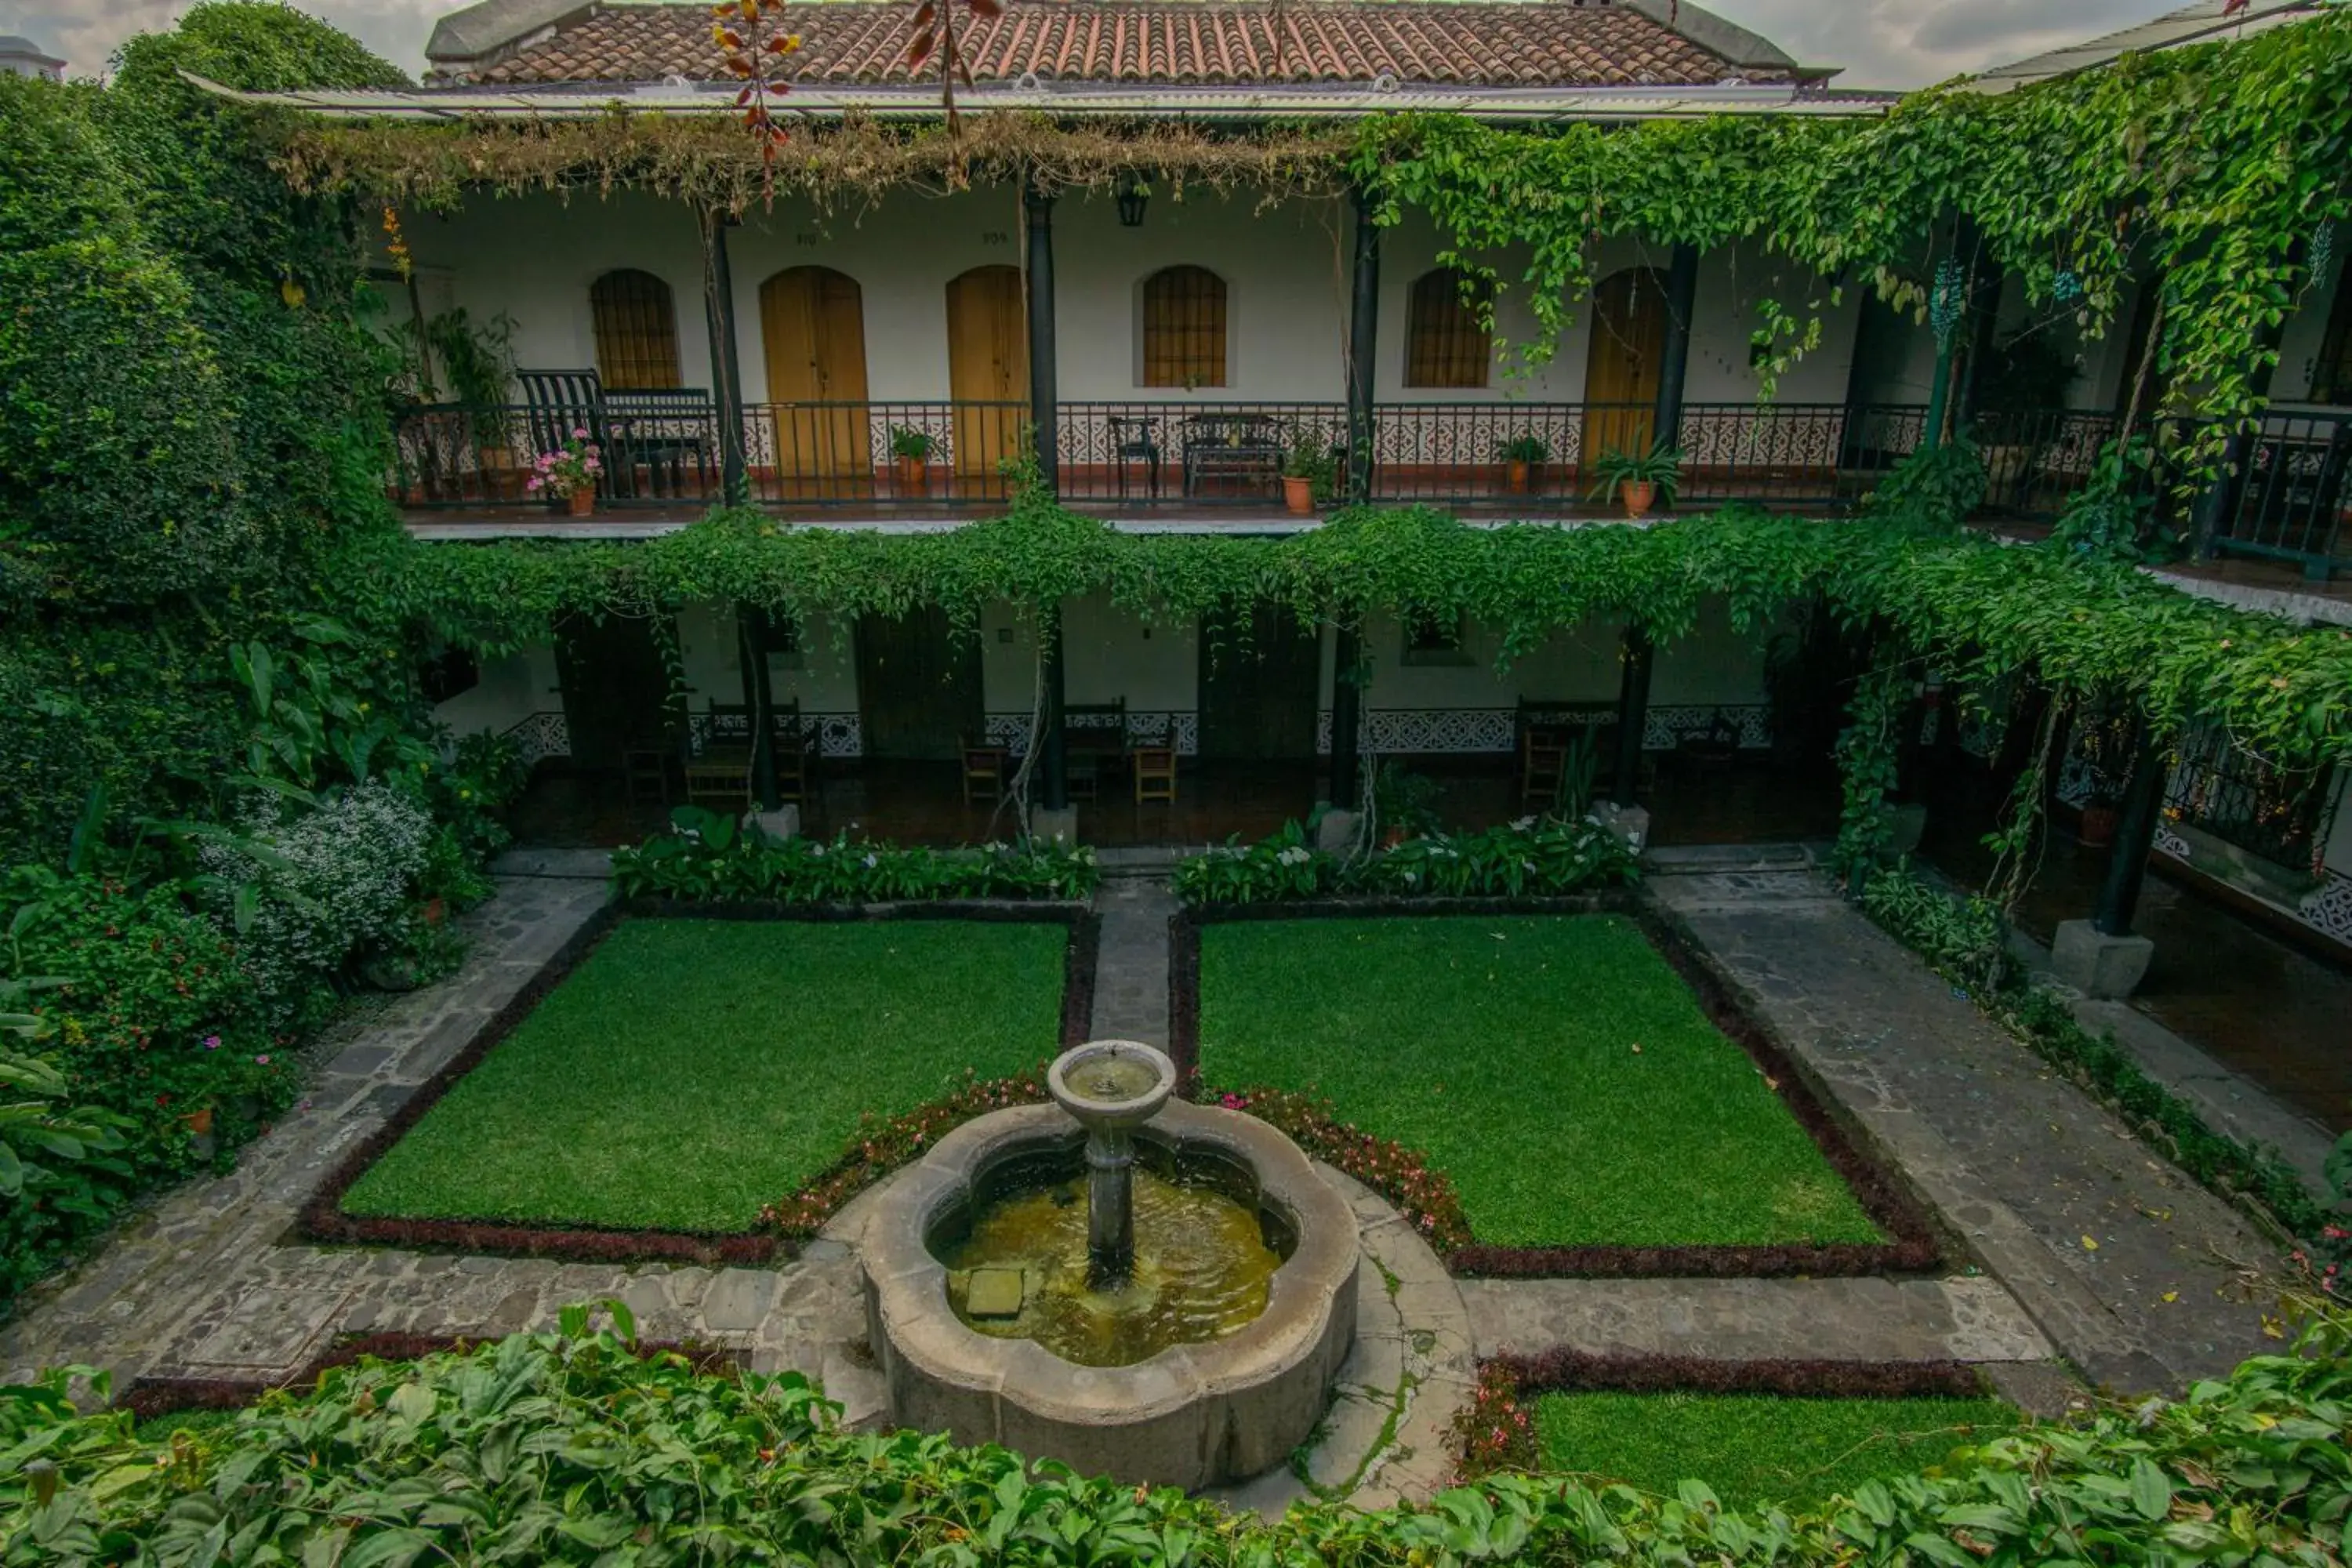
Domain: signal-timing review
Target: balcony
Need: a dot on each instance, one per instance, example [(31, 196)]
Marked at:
[(1220, 463)]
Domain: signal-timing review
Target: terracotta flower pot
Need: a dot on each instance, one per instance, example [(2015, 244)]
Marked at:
[(1519, 478), (914, 475), (1299, 495), (1638, 494), (583, 502), (434, 911), (199, 1123), (2098, 827)]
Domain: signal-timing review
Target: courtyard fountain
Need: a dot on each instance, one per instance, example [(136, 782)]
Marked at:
[(1146, 1288)]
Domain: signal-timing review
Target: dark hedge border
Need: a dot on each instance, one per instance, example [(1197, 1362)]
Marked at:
[(1564, 1370), (1916, 1248), (148, 1397), (321, 1217)]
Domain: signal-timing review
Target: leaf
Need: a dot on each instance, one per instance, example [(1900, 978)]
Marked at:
[(414, 1403), (2151, 1490)]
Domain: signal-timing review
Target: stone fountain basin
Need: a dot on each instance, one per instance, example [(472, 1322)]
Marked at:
[(1192, 1415)]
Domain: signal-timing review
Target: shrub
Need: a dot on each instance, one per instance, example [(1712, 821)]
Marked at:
[(573, 1446), (709, 856), (327, 884), (61, 1171), (1530, 858)]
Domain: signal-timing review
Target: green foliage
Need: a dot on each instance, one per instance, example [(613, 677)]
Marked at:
[(1866, 757), (1933, 490), (2203, 166), (1661, 468), (1964, 937), (1556, 1069), (561, 1447), (61, 1174), (1528, 448), (760, 1046), (2113, 517), (709, 856), (1531, 858), (906, 441), (1310, 458)]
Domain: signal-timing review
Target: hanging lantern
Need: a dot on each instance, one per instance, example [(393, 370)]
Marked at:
[(1132, 196)]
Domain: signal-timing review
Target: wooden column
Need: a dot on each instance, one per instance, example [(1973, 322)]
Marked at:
[(1045, 397), (751, 642), (1346, 716), (1633, 713), (1673, 369), (1053, 755), (1363, 344), (726, 360), (2143, 806)]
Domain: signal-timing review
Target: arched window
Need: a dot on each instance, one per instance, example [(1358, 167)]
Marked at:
[(637, 330), (1445, 339), (1184, 328)]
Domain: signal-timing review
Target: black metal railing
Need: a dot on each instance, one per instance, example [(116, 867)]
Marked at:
[(893, 453), (2283, 814), (1189, 453), (2034, 462), (655, 448), (2293, 500)]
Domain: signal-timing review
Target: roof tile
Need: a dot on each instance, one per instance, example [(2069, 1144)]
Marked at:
[(1482, 43)]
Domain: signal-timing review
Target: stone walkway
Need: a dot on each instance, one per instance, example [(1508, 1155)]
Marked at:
[(209, 1282), (2138, 1276)]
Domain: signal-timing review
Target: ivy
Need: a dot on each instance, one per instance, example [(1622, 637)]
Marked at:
[(1973, 607)]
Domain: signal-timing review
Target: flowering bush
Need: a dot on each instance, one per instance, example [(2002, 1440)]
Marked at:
[(565, 472), (324, 885), (710, 856), (1494, 1431), (1404, 1175), (1532, 857), (885, 1143)]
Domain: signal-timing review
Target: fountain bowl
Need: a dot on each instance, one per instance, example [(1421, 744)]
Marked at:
[(1192, 1415), (1089, 1082)]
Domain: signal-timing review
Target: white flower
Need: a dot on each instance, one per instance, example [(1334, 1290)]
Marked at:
[(871, 861), (1294, 855), (1523, 825)]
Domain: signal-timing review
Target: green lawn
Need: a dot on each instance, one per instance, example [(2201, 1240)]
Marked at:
[(1757, 1447), (1506, 1050), (690, 1070)]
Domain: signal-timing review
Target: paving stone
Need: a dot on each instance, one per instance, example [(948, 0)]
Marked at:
[(739, 1298), (1350, 1435)]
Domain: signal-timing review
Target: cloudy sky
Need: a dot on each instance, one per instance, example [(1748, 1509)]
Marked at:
[(1882, 43)]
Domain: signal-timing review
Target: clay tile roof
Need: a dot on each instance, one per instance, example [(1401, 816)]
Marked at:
[(1469, 43)]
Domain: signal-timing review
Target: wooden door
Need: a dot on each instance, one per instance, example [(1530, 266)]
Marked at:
[(615, 692), (812, 322), (1259, 686), (1628, 354), (988, 364), (918, 685)]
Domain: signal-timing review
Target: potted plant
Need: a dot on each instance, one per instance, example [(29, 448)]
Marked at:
[(1644, 479), (570, 474), (1305, 473), (1523, 457), (911, 450), (1405, 803)]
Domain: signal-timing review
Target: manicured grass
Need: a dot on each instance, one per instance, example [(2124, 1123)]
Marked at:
[(1757, 1447), (690, 1071), (1506, 1049)]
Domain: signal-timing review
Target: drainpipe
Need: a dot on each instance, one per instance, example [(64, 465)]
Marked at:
[(1363, 341), (725, 364), (1633, 713), (1673, 369), (1045, 407)]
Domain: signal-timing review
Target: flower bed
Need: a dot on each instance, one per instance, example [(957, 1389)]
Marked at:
[(1531, 858), (709, 857)]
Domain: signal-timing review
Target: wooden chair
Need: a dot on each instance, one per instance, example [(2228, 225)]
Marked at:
[(1543, 764), (795, 751), (644, 767), (1155, 773), (721, 783), (985, 771)]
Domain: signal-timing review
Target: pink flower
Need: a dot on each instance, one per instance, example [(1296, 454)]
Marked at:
[(262, 1060), (212, 1042), (533, 483), (580, 432)]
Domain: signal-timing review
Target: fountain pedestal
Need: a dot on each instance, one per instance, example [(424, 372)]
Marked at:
[(1110, 1087)]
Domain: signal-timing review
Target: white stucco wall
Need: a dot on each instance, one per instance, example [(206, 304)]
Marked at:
[(510, 691), (1286, 268), (823, 677)]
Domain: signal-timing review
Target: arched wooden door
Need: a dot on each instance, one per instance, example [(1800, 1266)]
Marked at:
[(988, 370), (1628, 354), (812, 322)]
